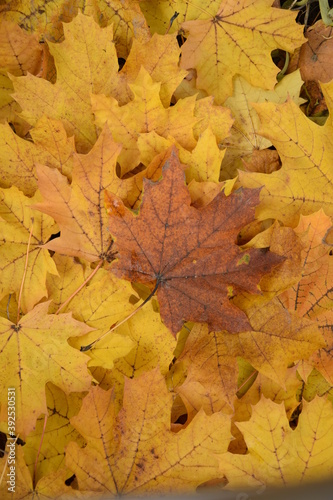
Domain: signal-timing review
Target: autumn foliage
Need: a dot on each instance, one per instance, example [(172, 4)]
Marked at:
[(166, 248)]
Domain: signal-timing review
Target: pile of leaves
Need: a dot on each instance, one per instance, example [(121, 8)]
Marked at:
[(166, 247)]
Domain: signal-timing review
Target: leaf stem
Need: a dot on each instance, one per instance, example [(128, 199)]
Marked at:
[(91, 275), (24, 272), (85, 348), (246, 381), (37, 456)]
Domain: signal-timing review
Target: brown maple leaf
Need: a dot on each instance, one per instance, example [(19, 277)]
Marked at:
[(190, 255)]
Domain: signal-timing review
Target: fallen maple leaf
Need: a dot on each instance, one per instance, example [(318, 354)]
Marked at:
[(34, 351), (20, 51), (315, 56), (190, 255), (95, 70), (238, 37), (79, 208), (152, 347), (159, 56), (126, 18), (277, 454), (136, 452), (19, 157), (311, 297), (57, 433), (211, 370), (17, 222), (143, 114), (278, 337), (52, 485), (244, 138), (304, 184)]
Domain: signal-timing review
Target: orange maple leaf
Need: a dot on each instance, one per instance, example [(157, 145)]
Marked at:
[(79, 208), (311, 297)]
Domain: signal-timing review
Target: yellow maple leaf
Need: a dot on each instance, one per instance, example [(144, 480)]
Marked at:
[(238, 38), (143, 114), (152, 347), (160, 12), (33, 351), (282, 241), (40, 17), (136, 452), (18, 156), (20, 52), (129, 24), (252, 385), (203, 162), (104, 301), (159, 56), (304, 184), (244, 138), (86, 61), (16, 221), (51, 485), (279, 455), (278, 337), (101, 304), (55, 435), (212, 371)]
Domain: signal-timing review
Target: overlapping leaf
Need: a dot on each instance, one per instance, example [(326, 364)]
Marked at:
[(17, 222), (58, 432), (143, 114), (304, 184), (190, 255), (245, 139), (278, 455), (83, 66), (237, 38), (19, 157), (79, 208), (34, 351), (264, 329), (136, 452), (312, 296)]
